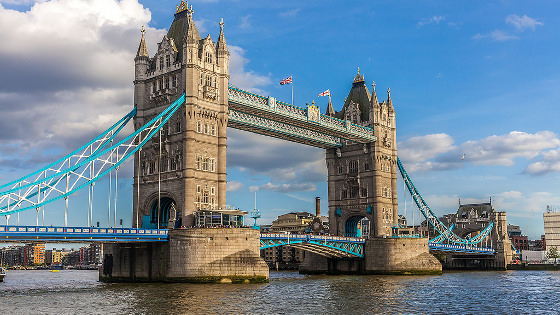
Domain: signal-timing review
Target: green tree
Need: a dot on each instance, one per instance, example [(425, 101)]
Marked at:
[(553, 253)]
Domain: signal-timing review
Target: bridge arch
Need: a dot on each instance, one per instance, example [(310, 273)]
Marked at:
[(169, 209), (354, 226)]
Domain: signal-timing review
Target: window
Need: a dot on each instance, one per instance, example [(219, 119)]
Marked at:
[(161, 63), (344, 194), (205, 197), (199, 126), (366, 166), (208, 57), (206, 128), (153, 87), (213, 129), (212, 165), (198, 161), (163, 164), (353, 166), (167, 83), (198, 190), (201, 79), (212, 190), (353, 191), (151, 168), (174, 82), (364, 192), (167, 61), (178, 126), (205, 164), (208, 80), (173, 164), (340, 169)]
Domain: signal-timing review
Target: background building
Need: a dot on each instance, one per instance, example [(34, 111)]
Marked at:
[(551, 227)]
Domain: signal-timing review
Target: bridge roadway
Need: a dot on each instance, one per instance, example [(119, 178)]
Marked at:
[(325, 245)]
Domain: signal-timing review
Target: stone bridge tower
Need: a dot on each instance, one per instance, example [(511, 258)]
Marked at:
[(362, 178), (186, 170)]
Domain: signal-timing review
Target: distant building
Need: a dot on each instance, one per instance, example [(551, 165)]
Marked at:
[(551, 227), (286, 257), (38, 254)]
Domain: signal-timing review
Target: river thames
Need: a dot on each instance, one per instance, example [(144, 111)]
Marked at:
[(79, 292)]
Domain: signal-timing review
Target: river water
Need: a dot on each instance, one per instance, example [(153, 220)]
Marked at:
[(489, 292)]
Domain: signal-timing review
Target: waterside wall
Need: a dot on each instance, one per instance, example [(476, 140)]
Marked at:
[(381, 256), (191, 255)]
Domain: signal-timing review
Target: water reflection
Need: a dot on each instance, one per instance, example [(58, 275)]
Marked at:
[(71, 292)]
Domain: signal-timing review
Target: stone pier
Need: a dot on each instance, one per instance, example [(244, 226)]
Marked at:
[(404, 256), (199, 255)]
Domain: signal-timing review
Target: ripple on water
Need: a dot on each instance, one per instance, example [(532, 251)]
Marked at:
[(73, 291)]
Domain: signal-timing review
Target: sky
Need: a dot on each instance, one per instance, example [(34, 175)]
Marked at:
[(473, 79)]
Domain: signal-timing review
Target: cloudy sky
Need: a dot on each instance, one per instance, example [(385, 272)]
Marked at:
[(468, 79)]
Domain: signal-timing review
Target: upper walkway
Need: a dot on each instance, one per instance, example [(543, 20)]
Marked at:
[(268, 116)]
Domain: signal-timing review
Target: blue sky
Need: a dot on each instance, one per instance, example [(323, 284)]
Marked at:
[(473, 78)]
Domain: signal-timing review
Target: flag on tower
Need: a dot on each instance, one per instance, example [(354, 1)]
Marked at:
[(286, 81), (326, 93)]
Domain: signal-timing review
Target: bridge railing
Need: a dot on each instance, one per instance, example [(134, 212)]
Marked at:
[(39, 233), (311, 237), (461, 248)]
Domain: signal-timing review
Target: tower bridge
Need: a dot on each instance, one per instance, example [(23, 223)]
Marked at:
[(183, 106)]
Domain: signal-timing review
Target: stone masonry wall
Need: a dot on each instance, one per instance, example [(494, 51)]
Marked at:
[(191, 255)]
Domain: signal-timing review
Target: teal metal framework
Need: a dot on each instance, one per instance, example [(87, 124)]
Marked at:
[(60, 234), (82, 167), (325, 245), (446, 232)]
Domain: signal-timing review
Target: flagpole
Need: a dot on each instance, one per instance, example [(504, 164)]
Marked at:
[(292, 90)]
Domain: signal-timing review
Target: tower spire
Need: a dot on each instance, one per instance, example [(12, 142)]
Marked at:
[(330, 109), (142, 48), (221, 44), (389, 102)]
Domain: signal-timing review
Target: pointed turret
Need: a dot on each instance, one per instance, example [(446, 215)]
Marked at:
[(389, 102), (330, 110), (374, 105), (221, 44), (183, 29), (142, 48), (360, 95)]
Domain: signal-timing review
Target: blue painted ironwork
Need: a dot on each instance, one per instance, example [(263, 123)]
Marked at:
[(434, 221), (80, 234), (82, 167), (325, 245), (466, 249), (440, 238)]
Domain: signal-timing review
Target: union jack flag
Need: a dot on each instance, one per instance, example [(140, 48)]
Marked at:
[(286, 81), (326, 93)]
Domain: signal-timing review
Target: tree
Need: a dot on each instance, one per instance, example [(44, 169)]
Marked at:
[(553, 253)]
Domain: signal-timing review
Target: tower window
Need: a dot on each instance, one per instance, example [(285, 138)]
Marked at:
[(178, 126), (366, 166), (167, 61), (167, 83), (364, 192), (161, 63), (340, 169), (174, 84), (213, 129), (353, 166)]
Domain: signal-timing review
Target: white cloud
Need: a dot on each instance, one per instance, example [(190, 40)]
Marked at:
[(496, 35), (434, 19), (550, 162), (245, 21), (234, 185), (66, 74), (290, 13), (523, 22), (503, 149), (437, 152), (245, 79), (287, 187)]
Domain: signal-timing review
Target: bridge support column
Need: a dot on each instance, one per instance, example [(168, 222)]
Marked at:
[(191, 255), (381, 256)]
